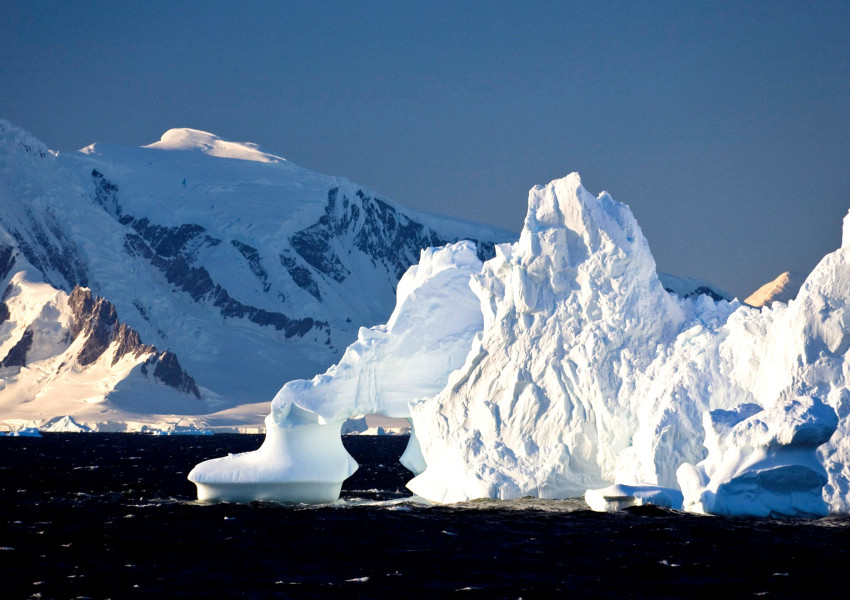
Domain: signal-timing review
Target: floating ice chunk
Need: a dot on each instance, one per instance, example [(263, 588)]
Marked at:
[(412, 458), (301, 460), (761, 462), (619, 496)]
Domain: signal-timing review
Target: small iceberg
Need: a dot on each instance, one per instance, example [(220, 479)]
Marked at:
[(302, 460), (619, 496), (427, 337), (23, 432)]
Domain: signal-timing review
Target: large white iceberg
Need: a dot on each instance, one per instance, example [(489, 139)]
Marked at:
[(588, 373), (564, 365), (427, 336)]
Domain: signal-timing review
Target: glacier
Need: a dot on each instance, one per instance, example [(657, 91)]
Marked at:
[(587, 372)]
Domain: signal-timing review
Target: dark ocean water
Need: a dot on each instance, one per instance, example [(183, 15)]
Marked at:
[(113, 516)]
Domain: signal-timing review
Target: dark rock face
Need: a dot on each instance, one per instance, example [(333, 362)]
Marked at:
[(7, 260), (48, 250), (106, 194), (701, 290), (302, 276), (252, 256), (97, 321), (129, 341), (4, 312), (169, 371), (171, 242), (389, 238), (174, 251), (17, 356)]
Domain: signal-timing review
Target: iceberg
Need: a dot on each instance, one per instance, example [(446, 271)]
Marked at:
[(427, 337), (548, 398), (617, 497), (302, 459), (563, 366), (22, 432), (588, 373)]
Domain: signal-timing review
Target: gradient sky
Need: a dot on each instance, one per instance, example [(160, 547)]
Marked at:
[(725, 126)]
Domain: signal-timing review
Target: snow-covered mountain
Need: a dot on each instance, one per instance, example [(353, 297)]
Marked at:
[(781, 289), (248, 269), (70, 353)]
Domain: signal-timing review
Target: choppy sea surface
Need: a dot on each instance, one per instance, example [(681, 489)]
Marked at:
[(113, 516)]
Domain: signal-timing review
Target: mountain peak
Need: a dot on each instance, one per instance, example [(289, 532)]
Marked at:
[(781, 289), (186, 139)]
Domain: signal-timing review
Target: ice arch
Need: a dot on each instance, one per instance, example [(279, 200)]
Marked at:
[(427, 337)]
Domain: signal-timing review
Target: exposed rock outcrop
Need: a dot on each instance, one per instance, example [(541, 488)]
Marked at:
[(96, 320)]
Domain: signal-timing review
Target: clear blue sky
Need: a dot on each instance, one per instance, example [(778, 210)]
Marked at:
[(724, 125)]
